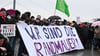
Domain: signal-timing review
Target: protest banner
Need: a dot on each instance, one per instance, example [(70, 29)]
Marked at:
[(8, 30), (49, 40)]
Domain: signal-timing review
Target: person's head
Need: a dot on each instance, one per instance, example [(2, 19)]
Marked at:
[(67, 23), (23, 17), (64, 22), (37, 20), (44, 19), (96, 27), (85, 24), (28, 14), (17, 13), (38, 16), (81, 25), (74, 22), (32, 18), (53, 22), (3, 11), (60, 22)]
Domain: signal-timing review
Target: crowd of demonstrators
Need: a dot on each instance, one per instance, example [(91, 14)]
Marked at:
[(5, 48), (16, 44)]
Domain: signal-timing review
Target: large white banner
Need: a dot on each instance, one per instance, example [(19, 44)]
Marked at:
[(49, 40)]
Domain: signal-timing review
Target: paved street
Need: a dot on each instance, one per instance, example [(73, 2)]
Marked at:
[(86, 52), (81, 53)]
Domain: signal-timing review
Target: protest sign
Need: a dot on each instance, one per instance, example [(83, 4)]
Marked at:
[(49, 40), (8, 30)]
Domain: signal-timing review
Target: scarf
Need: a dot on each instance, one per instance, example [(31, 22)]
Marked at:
[(3, 16)]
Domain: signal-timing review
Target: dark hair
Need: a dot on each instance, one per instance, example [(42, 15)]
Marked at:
[(23, 17), (17, 12), (32, 17), (85, 23), (28, 14), (96, 27), (37, 19), (74, 21)]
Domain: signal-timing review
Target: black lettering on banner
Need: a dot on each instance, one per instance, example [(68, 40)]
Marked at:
[(59, 33), (53, 32), (49, 32), (72, 31), (45, 31), (32, 34), (37, 32), (69, 31)]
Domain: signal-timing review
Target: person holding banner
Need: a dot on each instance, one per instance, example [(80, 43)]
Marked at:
[(5, 48), (20, 47)]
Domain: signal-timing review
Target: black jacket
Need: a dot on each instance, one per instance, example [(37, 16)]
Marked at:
[(4, 43)]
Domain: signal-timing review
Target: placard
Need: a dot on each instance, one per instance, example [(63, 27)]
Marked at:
[(8, 30)]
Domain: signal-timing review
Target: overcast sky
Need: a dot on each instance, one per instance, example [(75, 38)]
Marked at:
[(85, 9)]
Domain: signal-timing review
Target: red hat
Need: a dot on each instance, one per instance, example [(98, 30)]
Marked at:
[(2, 9), (80, 24)]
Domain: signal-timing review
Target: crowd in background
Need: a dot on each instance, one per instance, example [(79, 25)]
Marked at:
[(87, 34)]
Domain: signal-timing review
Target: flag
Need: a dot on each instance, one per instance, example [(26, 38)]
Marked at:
[(63, 7)]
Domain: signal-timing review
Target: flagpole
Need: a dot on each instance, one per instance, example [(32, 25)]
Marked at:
[(14, 4), (55, 12), (55, 9)]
